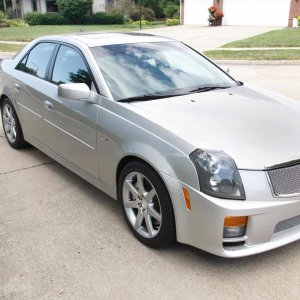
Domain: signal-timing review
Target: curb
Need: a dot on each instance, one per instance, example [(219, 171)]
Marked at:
[(258, 62)]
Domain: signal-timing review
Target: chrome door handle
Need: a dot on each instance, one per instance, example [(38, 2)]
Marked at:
[(48, 105), (17, 87)]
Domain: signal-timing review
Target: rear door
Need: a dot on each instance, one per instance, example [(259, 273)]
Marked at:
[(29, 88)]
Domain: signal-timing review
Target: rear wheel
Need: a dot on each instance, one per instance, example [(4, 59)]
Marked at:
[(146, 205), (11, 125)]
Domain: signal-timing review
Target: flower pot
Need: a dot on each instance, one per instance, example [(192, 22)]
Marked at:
[(217, 22)]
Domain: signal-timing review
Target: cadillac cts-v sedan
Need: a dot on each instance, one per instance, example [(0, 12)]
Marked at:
[(190, 153)]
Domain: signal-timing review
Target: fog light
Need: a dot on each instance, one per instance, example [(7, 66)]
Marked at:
[(235, 227)]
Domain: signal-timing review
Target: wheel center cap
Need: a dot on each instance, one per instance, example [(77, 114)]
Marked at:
[(144, 204)]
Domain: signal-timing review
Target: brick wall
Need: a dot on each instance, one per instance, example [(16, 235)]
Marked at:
[(294, 11)]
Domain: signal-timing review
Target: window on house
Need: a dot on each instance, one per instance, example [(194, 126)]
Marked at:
[(34, 5), (51, 6)]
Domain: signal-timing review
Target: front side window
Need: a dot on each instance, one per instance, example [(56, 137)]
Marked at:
[(36, 62), (70, 68)]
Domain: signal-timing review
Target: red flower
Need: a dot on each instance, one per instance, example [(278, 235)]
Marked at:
[(212, 9), (219, 14)]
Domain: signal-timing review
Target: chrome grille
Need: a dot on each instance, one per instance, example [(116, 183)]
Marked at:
[(285, 181), (287, 224)]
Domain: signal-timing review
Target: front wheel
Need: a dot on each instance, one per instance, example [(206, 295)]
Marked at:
[(146, 205), (11, 125)]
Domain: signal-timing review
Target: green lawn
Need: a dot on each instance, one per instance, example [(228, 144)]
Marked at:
[(31, 32), (278, 38), (254, 54)]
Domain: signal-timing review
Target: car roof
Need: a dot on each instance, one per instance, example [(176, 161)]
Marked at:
[(108, 38)]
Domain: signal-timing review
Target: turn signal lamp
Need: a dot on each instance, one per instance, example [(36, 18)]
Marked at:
[(235, 227), (187, 199)]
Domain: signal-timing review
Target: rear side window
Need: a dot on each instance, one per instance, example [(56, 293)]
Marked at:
[(70, 68), (36, 62)]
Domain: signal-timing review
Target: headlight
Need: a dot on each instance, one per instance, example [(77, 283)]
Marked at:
[(218, 175)]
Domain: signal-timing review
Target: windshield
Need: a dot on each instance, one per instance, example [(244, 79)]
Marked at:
[(160, 68)]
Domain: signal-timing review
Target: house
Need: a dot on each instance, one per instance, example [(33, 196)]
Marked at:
[(19, 8), (237, 12)]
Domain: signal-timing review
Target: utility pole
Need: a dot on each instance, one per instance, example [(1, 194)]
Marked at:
[(140, 14)]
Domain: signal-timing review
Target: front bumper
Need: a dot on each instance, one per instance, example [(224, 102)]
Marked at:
[(202, 226)]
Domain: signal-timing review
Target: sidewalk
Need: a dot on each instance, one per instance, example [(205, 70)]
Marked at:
[(13, 42)]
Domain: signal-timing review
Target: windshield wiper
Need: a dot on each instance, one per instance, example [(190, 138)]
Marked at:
[(158, 96), (208, 88), (147, 97)]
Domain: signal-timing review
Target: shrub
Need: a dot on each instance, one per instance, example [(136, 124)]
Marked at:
[(172, 22), (105, 18), (147, 14), (53, 19), (33, 18), (16, 23), (74, 10), (298, 20), (36, 18), (2, 17), (144, 22)]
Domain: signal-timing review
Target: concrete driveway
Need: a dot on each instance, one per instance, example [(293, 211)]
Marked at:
[(205, 38), (61, 238)]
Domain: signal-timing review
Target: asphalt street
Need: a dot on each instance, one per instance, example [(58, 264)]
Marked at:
[(61, 238)]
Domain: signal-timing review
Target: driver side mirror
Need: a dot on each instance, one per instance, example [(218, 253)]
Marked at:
[(74, 91)]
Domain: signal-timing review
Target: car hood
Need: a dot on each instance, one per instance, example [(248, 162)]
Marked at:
[(257, 128)]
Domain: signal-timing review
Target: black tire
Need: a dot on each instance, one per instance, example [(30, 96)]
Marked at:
[(160, 204), (15, 140)]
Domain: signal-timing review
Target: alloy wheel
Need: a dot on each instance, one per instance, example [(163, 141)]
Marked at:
[(142, 205), (9, 123)]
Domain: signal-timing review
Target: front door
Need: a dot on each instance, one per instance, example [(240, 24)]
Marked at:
[(71, 125)]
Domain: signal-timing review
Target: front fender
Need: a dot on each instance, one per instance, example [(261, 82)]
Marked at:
[(119, 137)]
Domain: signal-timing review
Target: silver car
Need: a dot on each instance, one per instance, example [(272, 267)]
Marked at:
[(191, 154)]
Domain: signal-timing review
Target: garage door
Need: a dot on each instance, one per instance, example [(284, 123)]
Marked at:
[(196, 12), (256, 12)]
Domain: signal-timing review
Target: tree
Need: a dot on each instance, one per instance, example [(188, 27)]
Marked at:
[(162, 8), (155, 5), (74, 10), (171, 8)]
